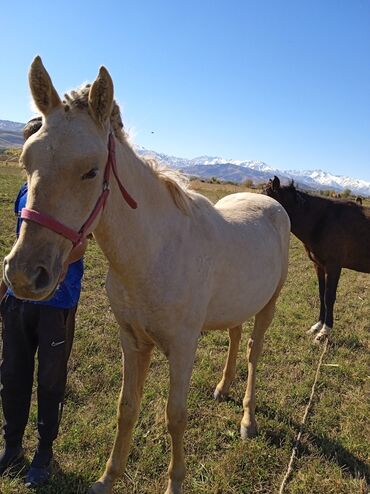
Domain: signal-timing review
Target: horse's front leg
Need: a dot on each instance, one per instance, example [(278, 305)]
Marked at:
[(135, 367), (331, 284), (181, 360), (321, 279)]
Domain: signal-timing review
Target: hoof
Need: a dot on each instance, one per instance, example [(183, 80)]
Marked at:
[(174, 487), (322, 335), (219, 396), (248, 431), (315, 328), (99, 488)]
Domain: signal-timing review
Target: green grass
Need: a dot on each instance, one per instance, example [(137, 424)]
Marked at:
[(335, 447)]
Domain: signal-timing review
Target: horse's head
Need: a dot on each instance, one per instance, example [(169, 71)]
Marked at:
[(64, 162), (288, 196)]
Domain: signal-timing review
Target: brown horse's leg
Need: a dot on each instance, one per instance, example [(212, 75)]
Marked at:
[(331, 284), (135, 368), (321, 279), (223, 387), (181, 360), (262, 321)]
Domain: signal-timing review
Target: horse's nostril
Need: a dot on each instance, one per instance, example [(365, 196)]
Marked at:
[(42, 278)]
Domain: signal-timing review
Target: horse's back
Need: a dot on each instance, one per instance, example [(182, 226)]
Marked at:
[(254, 210), (252, 256)]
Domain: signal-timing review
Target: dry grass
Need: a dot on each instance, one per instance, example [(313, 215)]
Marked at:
[(335, 450)]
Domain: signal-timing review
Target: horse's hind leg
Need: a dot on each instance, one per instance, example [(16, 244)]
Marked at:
[(262, 321), (223, 387)]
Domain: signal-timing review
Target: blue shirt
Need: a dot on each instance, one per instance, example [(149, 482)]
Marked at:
[(68, 292)]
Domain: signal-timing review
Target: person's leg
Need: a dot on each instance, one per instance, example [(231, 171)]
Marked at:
[(19, 321), (56, 331)]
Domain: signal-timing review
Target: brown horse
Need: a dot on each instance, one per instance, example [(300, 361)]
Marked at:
[(336, 235)]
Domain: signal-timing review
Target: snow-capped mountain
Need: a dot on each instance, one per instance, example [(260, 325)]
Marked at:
[(329, 181), (258, 171), (225, 169)]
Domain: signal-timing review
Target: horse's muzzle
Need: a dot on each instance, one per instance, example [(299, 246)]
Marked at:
[(29, 281)]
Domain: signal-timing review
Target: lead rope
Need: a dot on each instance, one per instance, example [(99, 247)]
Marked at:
[(301, 428)]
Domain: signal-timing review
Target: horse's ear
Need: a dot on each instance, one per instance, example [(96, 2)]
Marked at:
[(43, 92), (275, 183), (101, 96)]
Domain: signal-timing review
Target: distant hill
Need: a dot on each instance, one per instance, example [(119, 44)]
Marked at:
[(11, 134), (12, 126), (10, 139), (225, 169)]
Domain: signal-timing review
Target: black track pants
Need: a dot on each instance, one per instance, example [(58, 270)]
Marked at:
[(29, 328)]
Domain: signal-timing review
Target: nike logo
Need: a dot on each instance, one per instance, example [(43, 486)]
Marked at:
[(53, 343)]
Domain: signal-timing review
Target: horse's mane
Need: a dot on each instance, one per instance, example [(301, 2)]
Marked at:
[(175, 182), (302, 197), (300, 194)]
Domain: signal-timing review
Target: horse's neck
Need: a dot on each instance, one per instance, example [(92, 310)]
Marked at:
[(130, 238), (303, 220)]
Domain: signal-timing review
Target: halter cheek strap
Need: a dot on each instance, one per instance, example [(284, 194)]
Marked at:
[(51, 224), (77, 237)]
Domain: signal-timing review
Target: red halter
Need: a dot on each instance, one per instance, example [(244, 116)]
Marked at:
[(65, 231)]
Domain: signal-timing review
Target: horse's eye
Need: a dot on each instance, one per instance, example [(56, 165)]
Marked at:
[(91, 174)]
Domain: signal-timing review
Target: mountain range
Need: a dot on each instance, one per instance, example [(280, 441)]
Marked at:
[(258, 171), (224, 169)]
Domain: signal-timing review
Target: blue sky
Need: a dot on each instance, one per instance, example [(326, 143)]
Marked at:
[(283, 81)]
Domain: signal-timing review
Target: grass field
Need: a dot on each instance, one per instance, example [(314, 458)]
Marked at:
[(335, 449)]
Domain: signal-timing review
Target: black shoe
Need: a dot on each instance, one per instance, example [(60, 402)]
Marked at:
[(40, 470), (11, 458)]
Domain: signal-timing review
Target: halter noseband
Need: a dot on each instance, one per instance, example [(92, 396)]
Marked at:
[(77, 237)]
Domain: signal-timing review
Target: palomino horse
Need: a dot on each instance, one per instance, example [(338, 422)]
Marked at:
[(336, 235), (177, 264)]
